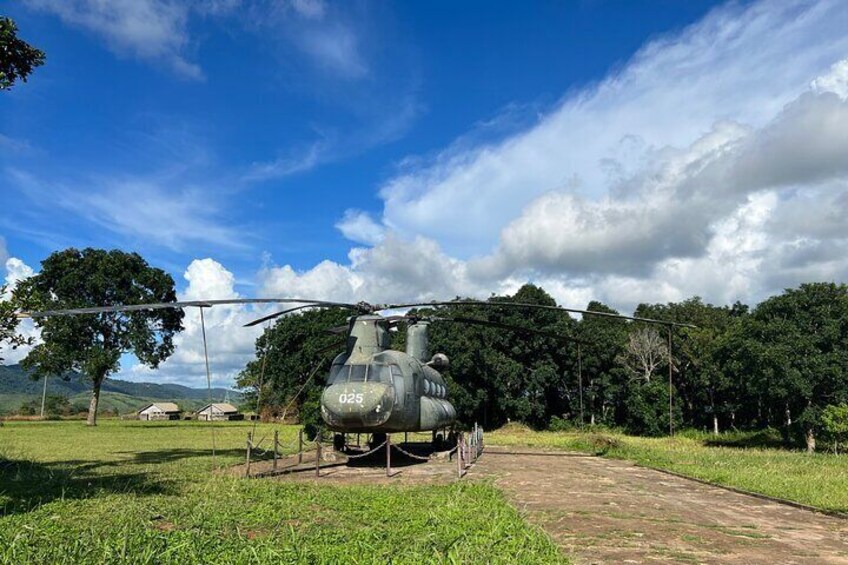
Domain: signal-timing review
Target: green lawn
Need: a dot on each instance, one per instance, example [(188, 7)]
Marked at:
[(142, 492), (818, 480)]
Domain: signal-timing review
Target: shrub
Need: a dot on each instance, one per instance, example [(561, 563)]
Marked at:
[(834, 423)]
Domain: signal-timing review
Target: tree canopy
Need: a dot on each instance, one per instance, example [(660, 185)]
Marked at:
[(93, 343), (9, 337), (17, 57)]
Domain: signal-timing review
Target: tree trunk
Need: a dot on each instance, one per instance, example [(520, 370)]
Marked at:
[(592, 419), (811, 441), (95, 400), (715, 423)]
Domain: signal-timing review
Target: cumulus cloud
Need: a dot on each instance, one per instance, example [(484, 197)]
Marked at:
[(360, 227), (393, 270), (835, 81), (16, 271), (671, 211), (230, 345), (739, 65)]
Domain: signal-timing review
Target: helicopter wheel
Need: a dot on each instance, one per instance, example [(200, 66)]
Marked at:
[(339, 442)]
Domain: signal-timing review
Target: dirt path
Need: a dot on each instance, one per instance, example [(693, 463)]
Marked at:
[(606, 511)]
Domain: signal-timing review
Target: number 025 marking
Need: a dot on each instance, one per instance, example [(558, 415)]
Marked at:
[(350, 398)]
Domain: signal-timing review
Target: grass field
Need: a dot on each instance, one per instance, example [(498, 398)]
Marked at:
[(817, 480), (143, 492)]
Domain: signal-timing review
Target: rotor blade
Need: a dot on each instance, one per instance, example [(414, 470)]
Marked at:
[(280, 313), (497, 304), (511, 327), (184, 304), (331, 346)]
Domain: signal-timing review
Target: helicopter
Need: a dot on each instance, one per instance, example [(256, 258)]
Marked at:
[(371, 388)]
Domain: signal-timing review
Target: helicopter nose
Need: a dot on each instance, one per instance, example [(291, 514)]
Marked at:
[(357, 404)]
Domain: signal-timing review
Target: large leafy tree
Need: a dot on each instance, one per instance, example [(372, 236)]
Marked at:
[(794, 349), (707, 392), (9, 337), (17, 57), (287, 353), (604, 377), (93, 343)]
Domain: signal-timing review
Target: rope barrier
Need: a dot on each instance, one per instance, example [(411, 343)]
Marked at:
[(419, 457), (360, 455)]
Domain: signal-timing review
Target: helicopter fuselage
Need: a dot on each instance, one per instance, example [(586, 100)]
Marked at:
[(374, 389)]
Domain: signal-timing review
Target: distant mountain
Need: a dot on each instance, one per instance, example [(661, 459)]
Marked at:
[(16, 388)]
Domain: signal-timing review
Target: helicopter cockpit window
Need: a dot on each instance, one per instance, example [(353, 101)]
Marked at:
[(379, 374), (338, 373), (358, 373)]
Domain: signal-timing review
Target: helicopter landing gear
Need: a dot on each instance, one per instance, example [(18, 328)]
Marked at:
[(339, 441), (452, 438), (377, 439), (438, 441)]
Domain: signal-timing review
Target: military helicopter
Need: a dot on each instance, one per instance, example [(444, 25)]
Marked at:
[(371, 388)]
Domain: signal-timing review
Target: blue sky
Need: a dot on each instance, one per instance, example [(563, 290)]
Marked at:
[(618, 151)]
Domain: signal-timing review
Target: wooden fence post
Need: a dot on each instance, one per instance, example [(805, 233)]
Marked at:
[(300, 446), (388, 455), (276, 443), (318, 455), (459, 455), (247, 457)]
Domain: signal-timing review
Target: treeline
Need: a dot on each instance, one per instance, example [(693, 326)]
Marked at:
[(782, 364)]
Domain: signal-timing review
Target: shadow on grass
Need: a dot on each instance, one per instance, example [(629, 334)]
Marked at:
[(26, 485), (171, 455), (764, 439)]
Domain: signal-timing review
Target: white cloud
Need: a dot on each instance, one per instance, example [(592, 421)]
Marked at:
[(670, 211), (158, 31), (315, 9), (139, 207), (359, 226), (836, 80), (230, 345), (334, 48), (393, 270), (16, 271), (737, 65), (287, 165), (152, 30)]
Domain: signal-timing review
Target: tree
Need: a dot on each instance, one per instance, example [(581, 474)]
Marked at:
[(834, 423), (289, 351), (93, 343), (705, 390), (9, 323), (645, 351), (605, 378), (793, 349), (17, 57)]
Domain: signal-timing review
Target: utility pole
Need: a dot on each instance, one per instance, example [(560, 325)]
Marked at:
[(580, 385), (670, 386), (43, 396)]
